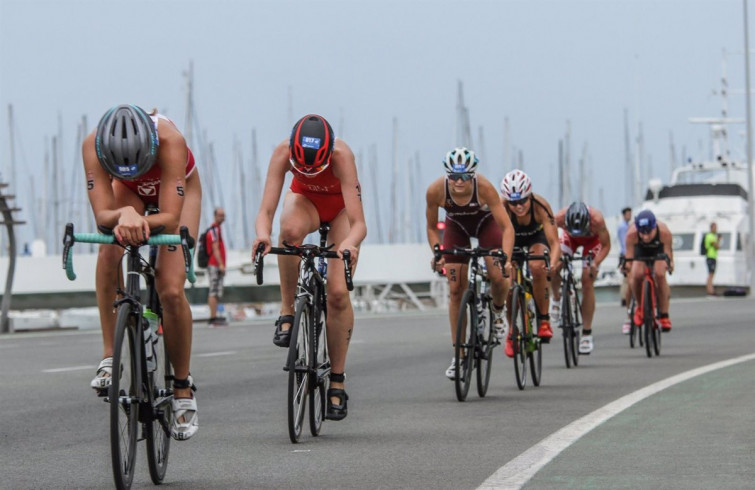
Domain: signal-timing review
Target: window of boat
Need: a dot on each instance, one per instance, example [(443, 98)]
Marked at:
[(739, 242), (725, 241), (683, 241)]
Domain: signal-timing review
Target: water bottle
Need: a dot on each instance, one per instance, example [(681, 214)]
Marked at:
[(531, 312), (221, 311), (150, 338), (322, 267)]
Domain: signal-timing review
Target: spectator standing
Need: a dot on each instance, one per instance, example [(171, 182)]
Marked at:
[(621, 233), (216, 267), (712, 243)]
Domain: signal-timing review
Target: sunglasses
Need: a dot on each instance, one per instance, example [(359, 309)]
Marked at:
[(311, 171), (520, 202), (463, 177)]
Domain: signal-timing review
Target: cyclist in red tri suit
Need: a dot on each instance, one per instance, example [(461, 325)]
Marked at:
[(648, 237), (133, 159), (535, 228), (473, 209), (583, 226), (324, 189)]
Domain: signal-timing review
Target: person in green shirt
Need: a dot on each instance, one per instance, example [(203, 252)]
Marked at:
[(712, 242)]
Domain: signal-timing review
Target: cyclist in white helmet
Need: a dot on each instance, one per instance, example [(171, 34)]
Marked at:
[(473, 209), (535, 228)]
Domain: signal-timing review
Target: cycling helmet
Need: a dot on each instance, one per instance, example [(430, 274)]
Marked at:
[(311, 145), (516, 185), (578, 219), (126, 142), (460, 161), (645, 221)]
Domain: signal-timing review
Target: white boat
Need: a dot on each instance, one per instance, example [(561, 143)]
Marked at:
[(700, 193)]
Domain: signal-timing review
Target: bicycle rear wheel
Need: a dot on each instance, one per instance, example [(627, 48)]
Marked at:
[(486, 341), (518, 334), (464, 350), (319, 372), (298, 370), (647, 318), (124, 395), (158, 431)]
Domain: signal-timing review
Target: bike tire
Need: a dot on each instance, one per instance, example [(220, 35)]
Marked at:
[(465, 345), (536, 360), (647, 318), (158, 431), (319, 371), (567, 325), (486, 342), (518, 334), (634, 331), (576, 325), (298, 370), (124, 395)]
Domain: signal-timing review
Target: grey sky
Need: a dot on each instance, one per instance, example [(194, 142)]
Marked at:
[(360, 64)]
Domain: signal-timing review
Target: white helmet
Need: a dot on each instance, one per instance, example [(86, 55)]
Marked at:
[(460, 161), (516, 185)]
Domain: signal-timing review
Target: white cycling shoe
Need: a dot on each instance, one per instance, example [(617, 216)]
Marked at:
[(104, 377), (185, 419), (585, 345), (500, 324)]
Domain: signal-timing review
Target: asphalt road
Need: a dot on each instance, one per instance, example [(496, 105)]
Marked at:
[(405, 428)]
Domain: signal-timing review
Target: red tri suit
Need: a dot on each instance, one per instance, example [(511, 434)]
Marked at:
[(323, 189), (147, 187)]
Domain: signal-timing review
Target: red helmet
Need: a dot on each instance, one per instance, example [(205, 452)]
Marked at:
[(311, 145)]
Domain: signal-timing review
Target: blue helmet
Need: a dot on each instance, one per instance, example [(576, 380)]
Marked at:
[(645, 221)]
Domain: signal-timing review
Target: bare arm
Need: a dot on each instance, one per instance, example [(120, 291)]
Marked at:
[(345, 169), (434, 200), (599, 224), (276, 175), (551, 232)]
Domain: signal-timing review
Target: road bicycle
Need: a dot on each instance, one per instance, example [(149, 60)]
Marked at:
[(523, 310), (475, 350), (141, 390), (571, 308), (650, 329), (308, 364)]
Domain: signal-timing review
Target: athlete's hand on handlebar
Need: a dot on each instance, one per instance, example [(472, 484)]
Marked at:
[(265, 240), (132, 228), (353, 251)]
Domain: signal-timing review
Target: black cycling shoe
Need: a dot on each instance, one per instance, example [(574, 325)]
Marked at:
[(337, 412), (282, 338)]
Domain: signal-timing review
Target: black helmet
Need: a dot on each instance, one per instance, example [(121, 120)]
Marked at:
[(126, 142), (311, 144), (578, 219)]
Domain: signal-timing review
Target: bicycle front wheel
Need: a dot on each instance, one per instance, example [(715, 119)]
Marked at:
[(518, 334), (648, 318), (124, 395), (567, 325), (298, 370), (158, 431), (536, 358), (464, 350), (486, 341), (319, 371)]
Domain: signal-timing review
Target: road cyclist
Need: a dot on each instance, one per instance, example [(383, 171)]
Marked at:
[(582, 227), (472, 210)]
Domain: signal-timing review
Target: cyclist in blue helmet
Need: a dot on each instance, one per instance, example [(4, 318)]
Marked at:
[(648, 237)]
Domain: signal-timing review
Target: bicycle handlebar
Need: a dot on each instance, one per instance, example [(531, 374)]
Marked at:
[(183, 239), (438, 253), (300, 250), (649, 261)]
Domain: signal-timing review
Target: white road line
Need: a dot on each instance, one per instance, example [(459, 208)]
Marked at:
[(518, 471), (66, 369), (215, 354)]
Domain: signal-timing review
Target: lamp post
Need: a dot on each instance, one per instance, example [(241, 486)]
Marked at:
[(750, 249)]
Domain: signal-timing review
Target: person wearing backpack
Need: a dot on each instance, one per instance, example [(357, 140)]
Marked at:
[(711, 244), (215, 247)]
